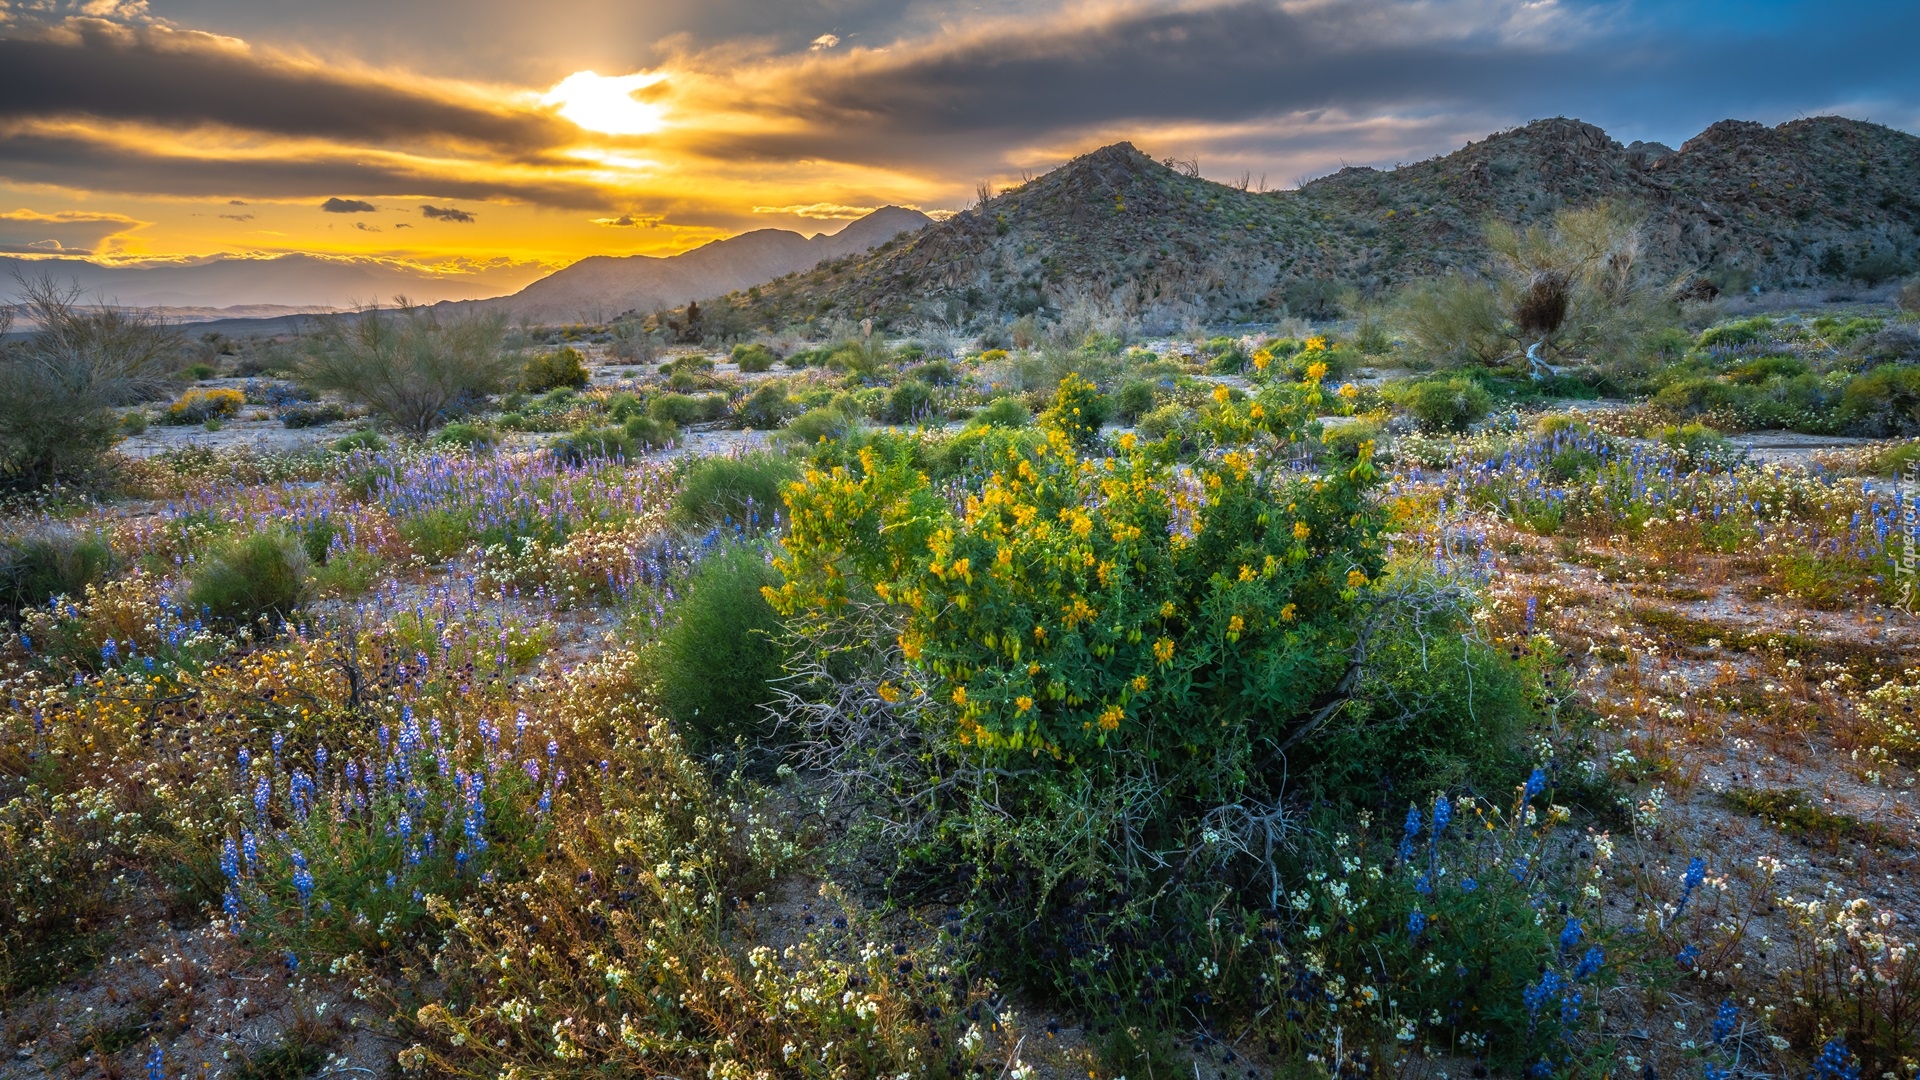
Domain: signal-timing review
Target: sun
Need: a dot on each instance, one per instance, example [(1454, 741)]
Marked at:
[(605, 103)]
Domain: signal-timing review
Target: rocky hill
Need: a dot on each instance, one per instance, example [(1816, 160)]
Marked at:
[(1742, 205), (602, 286)]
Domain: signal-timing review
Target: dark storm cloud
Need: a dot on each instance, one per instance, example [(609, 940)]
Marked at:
[(168, 77), (447, 213), (338, 205), (80, 162)]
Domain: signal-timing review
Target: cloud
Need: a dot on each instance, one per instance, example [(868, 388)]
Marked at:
[(364, 227), (71, 232), (237, 217), (338, 205), (447, 213), (824, 41), (629, 221), (825, 211), (178, 78), (236, 202)]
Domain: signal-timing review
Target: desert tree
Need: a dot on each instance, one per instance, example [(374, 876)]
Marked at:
[(59, 385), (409, 366)]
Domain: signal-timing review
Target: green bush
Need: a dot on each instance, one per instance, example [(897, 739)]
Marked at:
[(1002, 412), (551, 371), (416, 370), (722, 652), (1134, 400), (683, 409), (135, 422), (1758, 371), (907, 403), (364, 439), (766, 408), (1079, 410), (55, 561), (934, 373), (625, 406), (646, 433), (1884, 402), (1740, 332), (311, 414), (590, 443), (1450, 404), (1169, 419), (829, 422), (1345, 440), (753, 358), (264, 574), (717, 489), (468, 434)]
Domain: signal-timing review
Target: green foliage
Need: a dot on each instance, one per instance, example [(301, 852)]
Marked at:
[(1754, 372), (1134, 400), (134, 422), (55, 561), (551, 371), (766, 408), (1170, 419), (647, 433), (908, 402), (1454, 321), (1079, 410), (682, 409), (469, 435), (722, 652), (1884, 402), (738, 488), (599, 442), (364, 439), (1002, 412), (752, 358), (1450, 404), (262, 574), (1841, 333), (831, 422), (311, 414), (415, 370), (1739, 332)]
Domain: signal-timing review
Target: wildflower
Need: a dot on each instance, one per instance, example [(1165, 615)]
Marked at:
[(1724, 1020), (302, 877), (1139, 683), (1834, 1062), (1536, 783), (959, 695), (1687, 956), (1416, 923), (1590, 963), (1356, 578), (1570, 936), (1691, 880), (156, 1063), (1442, 814), (1110, 717), (1301, 530)]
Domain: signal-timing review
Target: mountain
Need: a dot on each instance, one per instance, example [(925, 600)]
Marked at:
[(601, 286), (1811, 202), (282, 282)]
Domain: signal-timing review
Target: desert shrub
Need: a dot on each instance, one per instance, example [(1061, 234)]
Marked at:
[(648, 433), (1133, 400), (1909, 296), (742, 489), (1768, 367), (1695, 445), (766, 408), (1739, 332), (1453, 321), (1450, 404), (197, 405), (909, 402), (1842, 332), (934, 373), (722, 651), (551, 371), (364, 439), (309, 414), (624, 406), (590, 443), (753, 358), (1345, 440), (801, 358), (1884, 402), (1892, 345), (59, 385), (55, 561), (829, 422), (468, 434), (134, 422), (262, 574), (1002, 412), (682, 409), (633, 343), (415, 370), (1168, 419), (1079, 410)]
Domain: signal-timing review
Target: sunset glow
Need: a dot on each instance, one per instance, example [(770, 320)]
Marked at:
[(606, 103)]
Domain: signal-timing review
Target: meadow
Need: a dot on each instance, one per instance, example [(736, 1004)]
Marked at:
[(1056, 702)]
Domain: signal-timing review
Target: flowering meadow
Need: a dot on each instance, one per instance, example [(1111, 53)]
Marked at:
[(1270, 736)]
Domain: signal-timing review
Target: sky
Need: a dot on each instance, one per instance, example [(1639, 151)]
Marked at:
[(491, 141)]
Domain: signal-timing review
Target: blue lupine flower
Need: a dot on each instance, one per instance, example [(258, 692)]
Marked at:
[(1413, 821), (1724, 1020), (1714, 1072), (1687, 956), (1417, 923), (1570, 936), (1468, 885), (1519, 868), (1590, 963), (1536, 783), (1834, 1062), (1691, 880), (156, 1063), (1570, 1008), (1442, 814), (302, 877)]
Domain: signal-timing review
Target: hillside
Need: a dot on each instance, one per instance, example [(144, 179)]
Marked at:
[(1813, 201), (294, 282), (601, 286)]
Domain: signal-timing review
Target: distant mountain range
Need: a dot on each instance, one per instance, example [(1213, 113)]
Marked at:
[(601, 287), (1817, 202)]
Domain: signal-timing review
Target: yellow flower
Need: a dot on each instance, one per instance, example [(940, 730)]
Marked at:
[(1301, 530), (959, 695), (1139, 683), (1349, 391), (1110, 717), (1246, 572), (1316, 371), (1166, 610), (910, 647), (1221, 394), (1127, 440), (1286, 613), (1355, 579), (1315, 344), (1261, 359), (1236, 624), (1023, 703), (888, 692), (1163, 650)]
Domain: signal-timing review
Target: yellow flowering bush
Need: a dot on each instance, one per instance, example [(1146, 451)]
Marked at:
[(1073, 603), (198, 405)]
